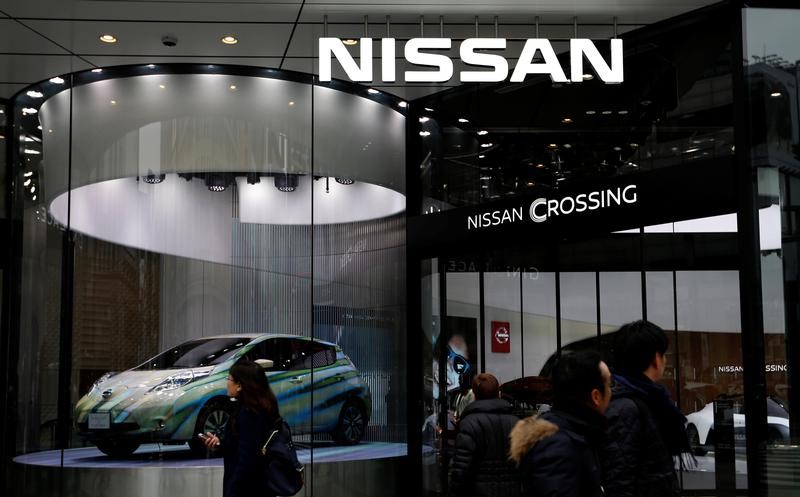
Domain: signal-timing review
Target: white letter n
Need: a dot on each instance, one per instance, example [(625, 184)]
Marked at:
[(334, 46)]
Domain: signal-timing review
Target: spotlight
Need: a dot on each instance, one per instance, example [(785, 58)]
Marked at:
[(350, 41), (108, 38), (286, 182), (253, 178), (345, 181), (35, 94), (217, 182), (154, 179), (229, 40), (97, 70), (57, 80)]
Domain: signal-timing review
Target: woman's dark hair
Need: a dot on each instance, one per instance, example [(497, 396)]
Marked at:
[(635, 346), (485, 386), (575, 375), (256, 393)]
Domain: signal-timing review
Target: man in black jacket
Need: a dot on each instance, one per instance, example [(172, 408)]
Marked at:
[(645, 428), (480, 465), (557, 451)]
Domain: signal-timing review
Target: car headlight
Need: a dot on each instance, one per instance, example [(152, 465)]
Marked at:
[(177, 381)]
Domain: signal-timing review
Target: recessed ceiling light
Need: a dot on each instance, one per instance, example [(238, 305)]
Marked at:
[(28, 174), (402, 105), (566, 120), (587, 77), (462, 120), (424, 133), (622, 112), (481, 156), (229, 40), (483, 132), (775, 94), (97, 70), (31, 151), (617, 149), (531, 183), (29, 110), (424, 119), (634, 145), (162, 86), (540, 165), (34, 197), (486, 145), (428, 109), (350, 41), (291, 103), (553, 145), (606, 112), (372, 91), (35, 94), (232, 87), (108, 38), (567, 145), (57, 80), (591, 112), (113, 102), (151, 66), (27, 182)]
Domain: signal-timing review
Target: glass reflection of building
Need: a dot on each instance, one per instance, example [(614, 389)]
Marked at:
[(146, 205)]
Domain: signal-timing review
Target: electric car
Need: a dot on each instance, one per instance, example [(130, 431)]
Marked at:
[(181, 392), (700, 425)]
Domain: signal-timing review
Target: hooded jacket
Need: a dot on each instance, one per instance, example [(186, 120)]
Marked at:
[(480, 464), (557, 455), (636, 459)]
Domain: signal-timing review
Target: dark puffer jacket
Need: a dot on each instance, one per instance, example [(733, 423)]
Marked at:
[(480, 465), (244, 466), (557, 455), (636, 461)]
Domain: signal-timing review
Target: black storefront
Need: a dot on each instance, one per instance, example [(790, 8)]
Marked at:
[(539, 216)]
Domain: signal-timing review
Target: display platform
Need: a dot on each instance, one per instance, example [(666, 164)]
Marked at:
[(154, 469)]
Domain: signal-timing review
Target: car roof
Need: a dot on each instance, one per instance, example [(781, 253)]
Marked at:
[(254, 336)]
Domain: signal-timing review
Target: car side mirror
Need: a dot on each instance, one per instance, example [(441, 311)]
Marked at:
[(264, 363)]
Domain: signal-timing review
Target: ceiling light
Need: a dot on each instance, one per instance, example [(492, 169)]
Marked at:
[(33, 189), (606, 112), (291, 103), (483, 132), (28, 174), (424, 119), (486, 145), (345, 181), (622, 112), (567, 120), (29, 110), (372, 91), (775, 94), (484, 186), (31, 151), (588, 77), (35, 94), (462, 120), (424, 133), (540, 165), (108, 38), (27, 182), (553, 145), (26, 138), (154, 179), (634, 145), (217, 182), (229, 40), (428, 109), (591, 112), (691, 150), (39, 127), (402, 105), (481, 156), (151, 66), (286, 182), (567, 145), (646, 102), (485, 178), (97, 70), (57, 80), (232, 87), (617, 149), (531, 183), (350, 41), (34, 197), (162, 86), (113, 102)]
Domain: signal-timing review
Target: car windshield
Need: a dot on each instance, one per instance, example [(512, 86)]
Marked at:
[(197, 353)]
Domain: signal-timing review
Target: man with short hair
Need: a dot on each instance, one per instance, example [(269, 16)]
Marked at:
[(557, 451), (645, 427), (480, 464)]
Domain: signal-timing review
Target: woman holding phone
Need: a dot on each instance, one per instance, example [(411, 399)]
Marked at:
[(255, 413)]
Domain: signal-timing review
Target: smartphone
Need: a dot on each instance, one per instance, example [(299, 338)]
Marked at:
[(202, 436)]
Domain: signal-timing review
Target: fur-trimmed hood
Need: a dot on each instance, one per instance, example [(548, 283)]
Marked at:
[(527, 433)]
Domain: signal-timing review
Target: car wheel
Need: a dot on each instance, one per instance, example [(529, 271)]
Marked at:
[(352, 424), (694, 441), (212, 418), (117, 448)]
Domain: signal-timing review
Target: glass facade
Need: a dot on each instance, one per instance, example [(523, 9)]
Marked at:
[(162, 220)]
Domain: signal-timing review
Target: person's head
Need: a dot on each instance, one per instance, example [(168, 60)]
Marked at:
[(455, 351), (485, 386), (581, 378), (248, 384), (639, 348)]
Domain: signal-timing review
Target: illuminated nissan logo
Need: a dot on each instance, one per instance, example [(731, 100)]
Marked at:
[(501, 335)]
